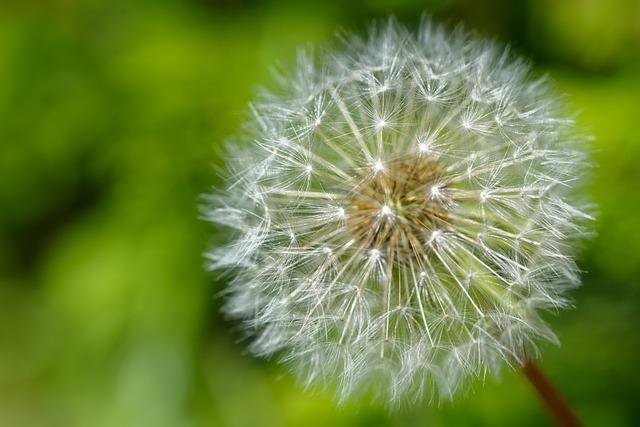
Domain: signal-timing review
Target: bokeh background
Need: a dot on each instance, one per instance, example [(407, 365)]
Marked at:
[(111, 118)]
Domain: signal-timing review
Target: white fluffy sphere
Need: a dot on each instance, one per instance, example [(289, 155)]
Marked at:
[(404, 208)]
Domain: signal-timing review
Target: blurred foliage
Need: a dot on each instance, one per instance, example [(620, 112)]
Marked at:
[(112, 116)]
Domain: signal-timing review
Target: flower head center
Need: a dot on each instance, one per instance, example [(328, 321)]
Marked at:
[(397, 208)]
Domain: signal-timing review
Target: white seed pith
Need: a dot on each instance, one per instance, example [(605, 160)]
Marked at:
[(404, 210)]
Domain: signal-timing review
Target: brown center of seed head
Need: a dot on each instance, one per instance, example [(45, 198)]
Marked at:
[(397, 208)]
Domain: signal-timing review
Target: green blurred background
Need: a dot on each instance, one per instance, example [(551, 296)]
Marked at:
[(111, 119)]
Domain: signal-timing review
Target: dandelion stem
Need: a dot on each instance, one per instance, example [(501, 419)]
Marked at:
[(558, 406)]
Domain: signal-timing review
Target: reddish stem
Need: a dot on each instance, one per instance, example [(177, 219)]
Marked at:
[(555, 402)]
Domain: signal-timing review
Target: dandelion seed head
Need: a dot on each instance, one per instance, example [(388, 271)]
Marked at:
[(404, 209)]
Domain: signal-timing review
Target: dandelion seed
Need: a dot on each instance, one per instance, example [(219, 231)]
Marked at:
[(455, 222)]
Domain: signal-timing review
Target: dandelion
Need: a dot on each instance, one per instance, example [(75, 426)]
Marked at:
[(404, 209)]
